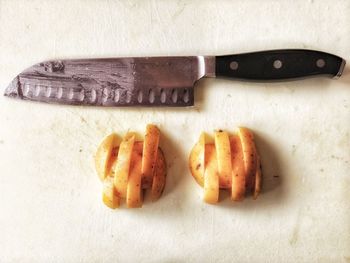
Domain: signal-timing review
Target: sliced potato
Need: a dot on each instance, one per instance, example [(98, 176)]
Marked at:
[(211, 176), (123, 164), (248, 146), (230, 162), (109, 195), (149, 155), (159, 176), (129, 166), (258, 178), (238, 171), (196, 160), (103, 154), (223, 155), (134, 190)]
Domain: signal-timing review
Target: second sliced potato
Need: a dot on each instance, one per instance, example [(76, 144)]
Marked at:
[(231, 163)]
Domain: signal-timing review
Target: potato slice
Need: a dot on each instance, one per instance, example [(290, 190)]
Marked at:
[(159, 176), (109, 195), (258, 178), (134, 190), (196, 160), (103, 155), (149, 155), (122, 167), (223, 155), (211, 176), (248, 146), (238, 171)]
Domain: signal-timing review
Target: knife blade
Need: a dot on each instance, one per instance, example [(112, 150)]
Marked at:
[(160, 81)]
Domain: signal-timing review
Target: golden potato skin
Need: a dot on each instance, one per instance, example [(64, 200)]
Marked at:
[(258, 179), (237, 157), (238, 186), (150, 153), (159, 178), (103, 155), (196, 160)]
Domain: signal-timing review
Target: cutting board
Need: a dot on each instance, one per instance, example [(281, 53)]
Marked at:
[(50, 196)]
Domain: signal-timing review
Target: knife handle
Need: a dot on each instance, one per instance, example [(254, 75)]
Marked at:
[(279, 65)]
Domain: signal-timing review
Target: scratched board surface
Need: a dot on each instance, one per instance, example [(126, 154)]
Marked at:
[(50, 196)]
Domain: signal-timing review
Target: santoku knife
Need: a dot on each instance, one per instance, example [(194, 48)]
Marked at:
[(160, 81)]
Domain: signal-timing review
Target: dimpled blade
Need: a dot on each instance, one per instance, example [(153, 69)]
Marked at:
[(147, 81)]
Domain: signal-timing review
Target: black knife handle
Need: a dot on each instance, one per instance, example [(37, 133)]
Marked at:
[(279, 65)]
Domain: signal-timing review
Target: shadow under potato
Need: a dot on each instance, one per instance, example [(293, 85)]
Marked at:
[(272, 179)]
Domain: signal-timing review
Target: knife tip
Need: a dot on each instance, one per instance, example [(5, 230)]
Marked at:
[(13, 89)]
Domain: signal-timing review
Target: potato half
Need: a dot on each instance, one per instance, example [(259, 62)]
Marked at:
[(231, 162), (128, 167)]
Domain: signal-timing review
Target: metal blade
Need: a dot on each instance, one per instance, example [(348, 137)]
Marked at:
[(147, 81)]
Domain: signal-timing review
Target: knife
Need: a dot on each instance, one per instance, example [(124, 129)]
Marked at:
[(160, 81)]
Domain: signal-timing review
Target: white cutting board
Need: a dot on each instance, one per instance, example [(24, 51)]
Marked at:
[(50, 196)]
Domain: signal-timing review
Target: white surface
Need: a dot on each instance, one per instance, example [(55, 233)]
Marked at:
[(50, 196)]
